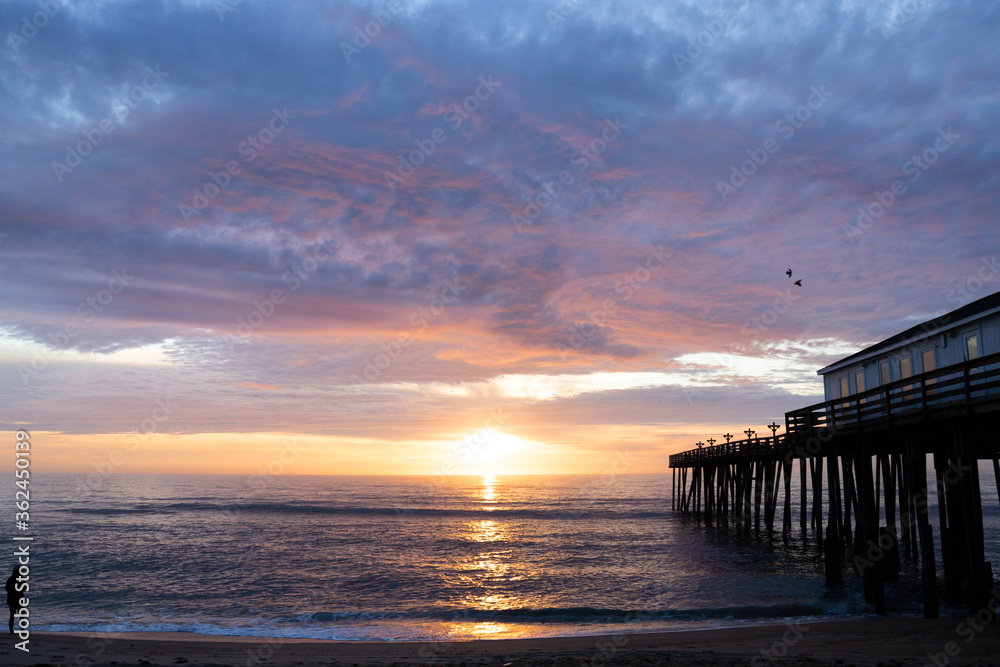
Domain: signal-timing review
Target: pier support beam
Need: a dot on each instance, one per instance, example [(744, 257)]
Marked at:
[(758, 487), (817, 509), (769, 495), (980, 578), (916, 462), (831, 547), (890, 533), (867, 535), (786, 519), (803, 498)]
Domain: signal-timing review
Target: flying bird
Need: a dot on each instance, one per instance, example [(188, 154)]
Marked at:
[(789, 273), (799, 282)]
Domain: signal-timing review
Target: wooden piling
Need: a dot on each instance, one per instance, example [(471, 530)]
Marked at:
[(967, 474), (831, 547), (769, 496), (996, 476), (709, 474), (786, 519), (917, 463), (817, 510), (758, 489), (803, 498), (928, 571), (747, 491), (891, 533), (723, 514), (835, 510), (850, 497), (904, 502), (868, 531), (951, 526)]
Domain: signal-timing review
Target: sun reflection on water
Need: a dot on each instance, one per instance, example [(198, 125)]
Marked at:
[(489, 569), (488, 491), (486, 531), (480, 630)]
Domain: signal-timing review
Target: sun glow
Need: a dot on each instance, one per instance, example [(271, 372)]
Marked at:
[(489, 452)]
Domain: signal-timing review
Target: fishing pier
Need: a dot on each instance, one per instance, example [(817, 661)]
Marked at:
[(861, 462)]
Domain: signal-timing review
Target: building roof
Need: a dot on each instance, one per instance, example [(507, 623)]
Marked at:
[(971, 311)]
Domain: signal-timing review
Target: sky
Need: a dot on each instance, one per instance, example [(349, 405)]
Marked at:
[(440, 237)]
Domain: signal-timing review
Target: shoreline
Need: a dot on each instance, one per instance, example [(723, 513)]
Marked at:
[(867, 641)]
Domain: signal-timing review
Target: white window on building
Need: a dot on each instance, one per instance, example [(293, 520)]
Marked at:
[(845, 391), (859, 383), (972, 351), (927, 357), (883, 369), (905, 371), (971, 347)]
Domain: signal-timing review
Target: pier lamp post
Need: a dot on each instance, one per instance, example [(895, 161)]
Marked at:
[(774, 429), (700, 444), (711, 441), (728, 437), (750, 434)]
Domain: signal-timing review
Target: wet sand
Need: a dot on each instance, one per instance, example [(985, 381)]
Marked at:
[(867, 641)]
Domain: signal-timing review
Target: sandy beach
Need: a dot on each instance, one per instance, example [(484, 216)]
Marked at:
[(952, 641)]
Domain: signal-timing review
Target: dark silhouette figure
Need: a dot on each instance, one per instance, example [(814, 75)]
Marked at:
[(13, 598), (799, 282), (788, 273)]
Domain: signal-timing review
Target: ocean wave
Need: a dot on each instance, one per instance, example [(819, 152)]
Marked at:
[(235, 509), (434, 626), (203, 628), (588, 614)]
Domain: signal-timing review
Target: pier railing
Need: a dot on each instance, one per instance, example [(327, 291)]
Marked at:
[(755, 448), (913, 398)]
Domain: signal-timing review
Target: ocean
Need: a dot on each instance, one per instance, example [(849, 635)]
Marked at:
[(402, 558)]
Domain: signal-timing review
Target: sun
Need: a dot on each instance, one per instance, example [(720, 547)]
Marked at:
[(490, 452)]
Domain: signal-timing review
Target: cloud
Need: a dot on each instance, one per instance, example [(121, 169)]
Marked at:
[(397, 174)]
